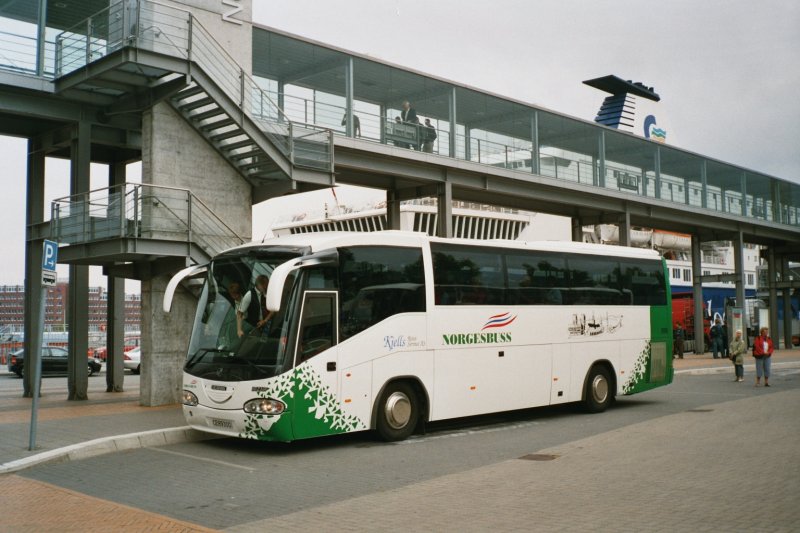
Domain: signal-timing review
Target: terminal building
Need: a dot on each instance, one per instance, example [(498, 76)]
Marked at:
[(224, 113)]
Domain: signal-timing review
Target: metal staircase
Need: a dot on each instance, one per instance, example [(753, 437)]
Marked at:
[(135, 54)]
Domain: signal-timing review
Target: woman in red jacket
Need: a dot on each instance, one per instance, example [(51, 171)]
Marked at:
[(762, 351)]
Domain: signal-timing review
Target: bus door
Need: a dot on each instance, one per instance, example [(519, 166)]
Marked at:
[(316, 349)]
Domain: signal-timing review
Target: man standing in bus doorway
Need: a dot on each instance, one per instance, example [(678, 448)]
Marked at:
[(737, 349), (717, 343), (762, 351), (253, 307)]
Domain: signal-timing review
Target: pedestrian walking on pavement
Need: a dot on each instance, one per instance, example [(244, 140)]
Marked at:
[(737, 349), (717, 343), (680, 334), (762, 351)]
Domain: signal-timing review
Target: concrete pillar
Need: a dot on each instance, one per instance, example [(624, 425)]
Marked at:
[(444, 206), (115, 313), (78, 300), (34, 214), (577, 229), (174, 155), (697, 294), (738, 266), (787, 307), (704, 184), (392, 210), (772, 278), (625, 229)]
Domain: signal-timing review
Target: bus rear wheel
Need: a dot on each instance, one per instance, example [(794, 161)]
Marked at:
[(598, 394), (398, 412)]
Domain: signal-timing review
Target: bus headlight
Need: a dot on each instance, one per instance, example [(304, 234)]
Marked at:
[(189, 398), (264, 406)]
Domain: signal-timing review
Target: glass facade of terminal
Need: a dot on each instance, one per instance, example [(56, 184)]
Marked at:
[(321, 85)]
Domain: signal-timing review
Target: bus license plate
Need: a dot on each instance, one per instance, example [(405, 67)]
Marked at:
[(221, 423)]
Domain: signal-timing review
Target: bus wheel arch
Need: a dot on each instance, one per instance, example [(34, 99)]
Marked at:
[(599, 387), (396, 392)]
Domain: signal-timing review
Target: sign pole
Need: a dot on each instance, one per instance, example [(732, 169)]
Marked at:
[(36, 347), (49, 261)]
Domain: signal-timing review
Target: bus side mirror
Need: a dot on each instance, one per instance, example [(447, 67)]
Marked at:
[(278, 278), (172, 286)]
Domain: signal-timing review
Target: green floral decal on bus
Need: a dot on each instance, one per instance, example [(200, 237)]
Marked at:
[(315, 410), (639, 371)]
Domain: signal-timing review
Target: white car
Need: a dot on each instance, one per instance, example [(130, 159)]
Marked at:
[(132, 360)]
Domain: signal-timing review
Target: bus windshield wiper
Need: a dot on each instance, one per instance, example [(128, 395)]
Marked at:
[(248, 362), (201, 351)]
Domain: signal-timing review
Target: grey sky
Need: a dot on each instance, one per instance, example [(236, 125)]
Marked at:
[(727, 72)]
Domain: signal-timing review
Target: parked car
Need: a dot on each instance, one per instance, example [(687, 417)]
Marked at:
[(130, 343), (132, 360), (54, 361)]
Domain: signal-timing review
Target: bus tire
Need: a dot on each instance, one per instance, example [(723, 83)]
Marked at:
[(398, 412), (598, 394)]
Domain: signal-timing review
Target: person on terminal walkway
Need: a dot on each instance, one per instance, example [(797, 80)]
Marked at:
[(428, 136), (409, 116), (253, 307), (737, 349), (356, 124), (762, 351), (717, 343)]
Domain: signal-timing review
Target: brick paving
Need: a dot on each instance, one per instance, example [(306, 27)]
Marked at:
[(38, 507)]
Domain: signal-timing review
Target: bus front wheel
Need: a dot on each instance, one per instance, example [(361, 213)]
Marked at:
[(598, 394), (398, 412)]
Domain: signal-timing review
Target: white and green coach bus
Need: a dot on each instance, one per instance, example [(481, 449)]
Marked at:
[(388, 330)]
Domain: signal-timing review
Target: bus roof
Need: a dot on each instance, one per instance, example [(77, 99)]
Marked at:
[(317, 242)]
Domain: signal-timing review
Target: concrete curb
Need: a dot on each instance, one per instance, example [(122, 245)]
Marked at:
[(729, 368), (103, 445)]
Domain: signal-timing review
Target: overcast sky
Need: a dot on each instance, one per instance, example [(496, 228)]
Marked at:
[(728, 72)]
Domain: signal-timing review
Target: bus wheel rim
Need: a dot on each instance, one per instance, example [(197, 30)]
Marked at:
[(599, 388), (397, 410)]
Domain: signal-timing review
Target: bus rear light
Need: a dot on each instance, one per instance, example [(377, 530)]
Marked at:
[(189, 398), (264, 406)]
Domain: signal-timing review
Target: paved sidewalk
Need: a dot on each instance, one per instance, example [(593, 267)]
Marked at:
[(69, 430), (707, 361), (730, 467)]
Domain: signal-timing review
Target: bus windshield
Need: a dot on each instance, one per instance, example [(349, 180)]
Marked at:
[(231, 340)]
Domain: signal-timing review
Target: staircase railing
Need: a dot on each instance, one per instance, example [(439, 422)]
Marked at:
[(156, 27), (138, 211)]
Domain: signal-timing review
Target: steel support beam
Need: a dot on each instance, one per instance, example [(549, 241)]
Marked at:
[(115, 314), (697, 293), (577, 229), (452, 108), (738, 269), (40, 39), (392, 210), (348, 95), (772, 277), (78, 308), (535, 167), (601, 159), (787, 307), (444, 206), (625, 229), (34, 214)]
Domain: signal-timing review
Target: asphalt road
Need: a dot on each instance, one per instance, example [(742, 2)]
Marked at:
[(226, 482)]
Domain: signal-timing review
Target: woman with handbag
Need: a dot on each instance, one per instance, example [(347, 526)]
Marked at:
[(762, 351), (737, 349)]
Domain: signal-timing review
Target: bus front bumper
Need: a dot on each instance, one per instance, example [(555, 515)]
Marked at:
[(236, 423)]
